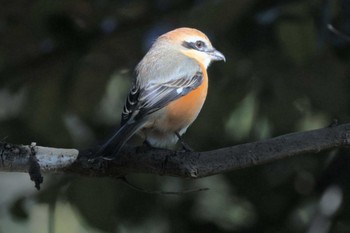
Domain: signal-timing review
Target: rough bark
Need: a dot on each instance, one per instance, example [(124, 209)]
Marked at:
[(16, 158)]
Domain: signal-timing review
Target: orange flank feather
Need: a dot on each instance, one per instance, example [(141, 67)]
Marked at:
[(183, 111)]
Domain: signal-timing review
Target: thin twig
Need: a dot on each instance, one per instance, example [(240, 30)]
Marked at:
[(160, 192), (338, 33)]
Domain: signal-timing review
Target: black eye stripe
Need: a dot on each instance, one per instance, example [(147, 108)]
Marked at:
[(188, 45), (200, 44), (197, 45)]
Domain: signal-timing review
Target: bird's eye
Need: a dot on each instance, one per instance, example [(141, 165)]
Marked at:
[(200, 44)]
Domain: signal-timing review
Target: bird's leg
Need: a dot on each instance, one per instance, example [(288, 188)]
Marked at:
[(147, 144), (185, 146)]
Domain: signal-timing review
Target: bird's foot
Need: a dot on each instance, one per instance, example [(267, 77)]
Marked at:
[(145, 146), (185, 146)]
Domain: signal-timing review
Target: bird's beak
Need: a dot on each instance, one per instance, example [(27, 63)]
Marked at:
[(217, 55)]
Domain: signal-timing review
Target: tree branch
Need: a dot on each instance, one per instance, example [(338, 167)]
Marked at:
[(175, 163)]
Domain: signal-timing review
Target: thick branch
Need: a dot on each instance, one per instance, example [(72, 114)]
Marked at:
[(176, 163)]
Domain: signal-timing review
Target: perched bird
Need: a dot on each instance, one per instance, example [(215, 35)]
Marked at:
[(168, 91)]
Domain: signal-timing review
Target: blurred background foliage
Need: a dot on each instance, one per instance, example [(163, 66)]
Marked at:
[(65, 67)]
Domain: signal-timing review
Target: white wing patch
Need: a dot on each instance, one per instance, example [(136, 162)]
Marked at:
[(179, 90), (142, 102)]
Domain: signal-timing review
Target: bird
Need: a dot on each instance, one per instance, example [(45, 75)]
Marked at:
[(168, 91)]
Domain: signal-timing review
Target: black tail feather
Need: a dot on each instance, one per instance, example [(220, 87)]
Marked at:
[(112, 147)]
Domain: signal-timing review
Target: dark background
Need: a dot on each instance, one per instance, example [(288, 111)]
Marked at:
[(65, 68)]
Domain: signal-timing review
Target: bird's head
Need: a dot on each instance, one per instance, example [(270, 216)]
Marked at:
[(194, 44)]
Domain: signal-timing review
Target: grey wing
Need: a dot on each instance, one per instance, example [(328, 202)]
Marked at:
[(144, 101), (130, 104), (157, 96)]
